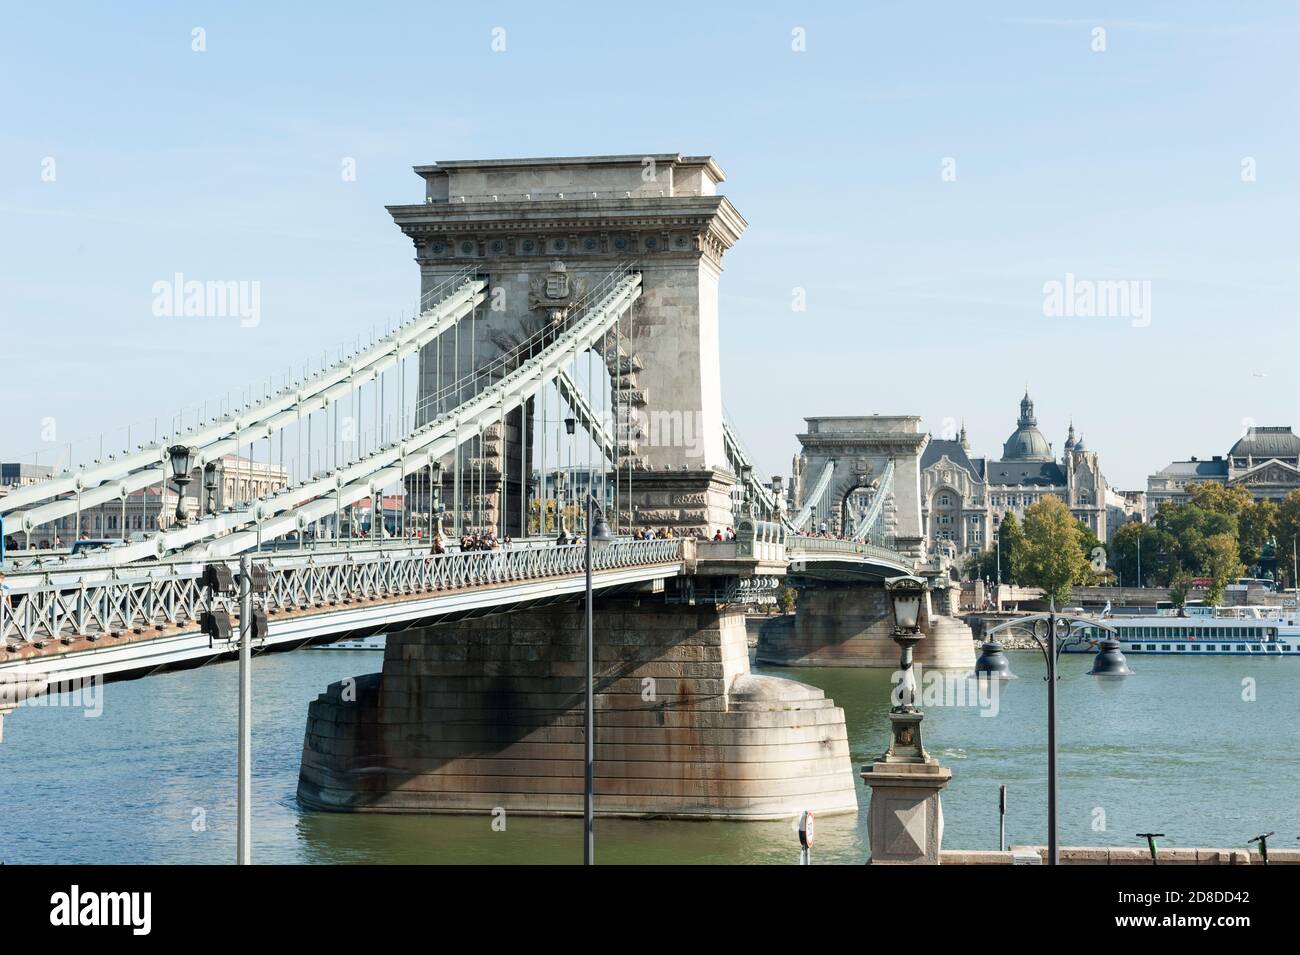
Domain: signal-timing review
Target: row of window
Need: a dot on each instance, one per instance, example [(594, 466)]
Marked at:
[(1213, 647), (1205, 633)]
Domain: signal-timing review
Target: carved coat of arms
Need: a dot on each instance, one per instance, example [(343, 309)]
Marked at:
[(556, 292)]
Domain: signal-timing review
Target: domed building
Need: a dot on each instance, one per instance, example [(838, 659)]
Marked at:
[(965, 498), (1027, 442), (1264, 460)]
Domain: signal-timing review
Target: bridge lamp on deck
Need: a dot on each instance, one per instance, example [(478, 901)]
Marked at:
[(180, 456), (210, 485), (435, 495), (570, 426)]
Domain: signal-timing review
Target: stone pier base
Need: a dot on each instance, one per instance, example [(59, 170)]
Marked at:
[(851, 626), (484, 714)]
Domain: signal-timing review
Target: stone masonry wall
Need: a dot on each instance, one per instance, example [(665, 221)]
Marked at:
[(851, 626), (471, 716)]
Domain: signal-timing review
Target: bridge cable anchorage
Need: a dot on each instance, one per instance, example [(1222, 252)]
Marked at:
[(814, 498), (497, 388), (872, 521), (741, 461), (115, 480)]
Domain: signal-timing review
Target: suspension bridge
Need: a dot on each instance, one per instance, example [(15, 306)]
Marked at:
[(564, 345)]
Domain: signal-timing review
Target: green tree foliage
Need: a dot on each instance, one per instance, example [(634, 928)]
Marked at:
[(1179, 587), (1222, 564), (1255, 521), (1097, 558), (1013, 549), (1052, 558), (1287, 530), (1124, 553)]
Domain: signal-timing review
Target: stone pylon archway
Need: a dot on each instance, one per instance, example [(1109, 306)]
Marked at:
[(860, 448)]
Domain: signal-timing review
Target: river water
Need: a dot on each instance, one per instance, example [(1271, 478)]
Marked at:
[(1206, 750)]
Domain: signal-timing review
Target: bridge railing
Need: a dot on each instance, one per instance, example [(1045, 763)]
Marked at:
[(47, 607), (798, 545)]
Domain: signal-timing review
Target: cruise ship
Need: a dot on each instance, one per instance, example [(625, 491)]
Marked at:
[(1204, 630)]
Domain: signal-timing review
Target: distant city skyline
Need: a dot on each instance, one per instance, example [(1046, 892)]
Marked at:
[(927, 233)]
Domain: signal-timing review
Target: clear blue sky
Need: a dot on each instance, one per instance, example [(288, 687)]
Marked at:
[(924, 296)]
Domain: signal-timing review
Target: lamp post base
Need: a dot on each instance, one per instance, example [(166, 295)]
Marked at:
[(905, 817)]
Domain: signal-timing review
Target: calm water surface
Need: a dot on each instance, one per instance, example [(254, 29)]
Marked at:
[(1175, 749)]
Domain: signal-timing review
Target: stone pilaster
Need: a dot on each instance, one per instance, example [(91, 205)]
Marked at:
[(483, 714)]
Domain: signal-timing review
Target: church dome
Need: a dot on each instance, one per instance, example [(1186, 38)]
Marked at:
[(1027, 443)]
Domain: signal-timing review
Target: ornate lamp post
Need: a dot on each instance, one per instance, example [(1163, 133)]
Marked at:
[(905, 819), (435, 497), (179, 455), (210, 485), (570, 425), (746, 502), (904, 718), (599, 533), (1052, 631)]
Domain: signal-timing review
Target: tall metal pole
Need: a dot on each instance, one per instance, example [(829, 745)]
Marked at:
[(1139, 560), (1053, 856), (243, 835), (589, 794)]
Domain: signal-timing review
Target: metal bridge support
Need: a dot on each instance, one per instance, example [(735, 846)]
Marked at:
[(486, 714), (842, 624)]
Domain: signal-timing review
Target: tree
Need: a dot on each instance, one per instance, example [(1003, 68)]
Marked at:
[(1052, 559), (1256, 525), (1255, 520), (1013, 548), (1096, 556), (1180, 585), (1219, 498), (1137, 543), (1222, 563), (1287, 530)]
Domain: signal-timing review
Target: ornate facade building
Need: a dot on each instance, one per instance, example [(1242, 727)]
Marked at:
[(1266, 461), (965, 498)]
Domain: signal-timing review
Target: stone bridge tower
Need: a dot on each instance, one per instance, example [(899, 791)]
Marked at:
[(539, 229), (860, 448)]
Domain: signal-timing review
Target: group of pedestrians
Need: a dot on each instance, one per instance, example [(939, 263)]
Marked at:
[(469, 542)]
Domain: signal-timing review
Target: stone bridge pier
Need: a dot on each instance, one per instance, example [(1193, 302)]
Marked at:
[(487, 713), (850, 624)]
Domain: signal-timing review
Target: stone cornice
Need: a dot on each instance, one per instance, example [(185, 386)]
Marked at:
[(848, 439), (689, 225)]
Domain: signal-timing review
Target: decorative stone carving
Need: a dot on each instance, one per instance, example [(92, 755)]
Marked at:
[(556, 292)]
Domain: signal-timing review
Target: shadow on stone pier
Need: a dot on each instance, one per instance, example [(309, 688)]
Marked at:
[(476, 715)]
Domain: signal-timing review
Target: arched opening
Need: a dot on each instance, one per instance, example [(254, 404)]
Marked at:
[(854, 504)]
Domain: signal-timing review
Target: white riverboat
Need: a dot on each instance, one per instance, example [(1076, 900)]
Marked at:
[(1271, 631)]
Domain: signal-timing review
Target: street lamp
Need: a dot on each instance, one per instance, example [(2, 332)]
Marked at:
[(598, 531), (561, 492), (179, 455), (746, 476), (905, 746), (570, 424), (435, 494), (1052, 631), (210, 485)]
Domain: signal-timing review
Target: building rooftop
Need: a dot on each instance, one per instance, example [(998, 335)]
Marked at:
[(1264, 443), (1215, 467)]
